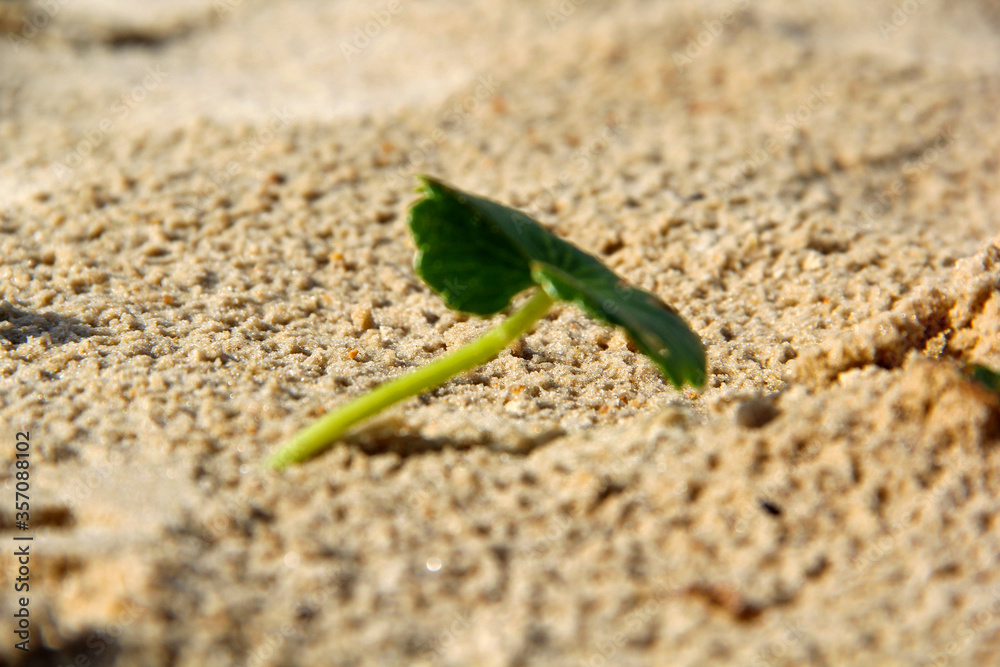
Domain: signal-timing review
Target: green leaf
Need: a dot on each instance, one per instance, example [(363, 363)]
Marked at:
[(463, 253), (478, 254), (985, 376)]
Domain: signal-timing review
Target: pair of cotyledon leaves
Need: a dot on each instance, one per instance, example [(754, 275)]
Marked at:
[(478, 254)]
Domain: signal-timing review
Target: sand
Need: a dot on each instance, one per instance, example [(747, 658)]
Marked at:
[(204, 246)]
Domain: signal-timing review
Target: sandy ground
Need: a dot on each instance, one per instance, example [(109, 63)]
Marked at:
[(204, 246)]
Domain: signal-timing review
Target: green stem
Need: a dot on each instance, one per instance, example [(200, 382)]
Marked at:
[(324, 431)]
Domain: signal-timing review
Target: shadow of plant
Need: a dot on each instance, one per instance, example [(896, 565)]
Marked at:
[(391, 434)]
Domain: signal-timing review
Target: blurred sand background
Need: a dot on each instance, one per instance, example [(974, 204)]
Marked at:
[(204, 246)]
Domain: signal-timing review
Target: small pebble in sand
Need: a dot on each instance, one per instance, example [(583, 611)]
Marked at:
[(362, 317)]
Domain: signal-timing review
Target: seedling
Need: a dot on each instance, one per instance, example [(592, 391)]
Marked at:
[(477, 255)]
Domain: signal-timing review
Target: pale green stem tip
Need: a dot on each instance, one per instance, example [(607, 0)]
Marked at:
[(323, 432)]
